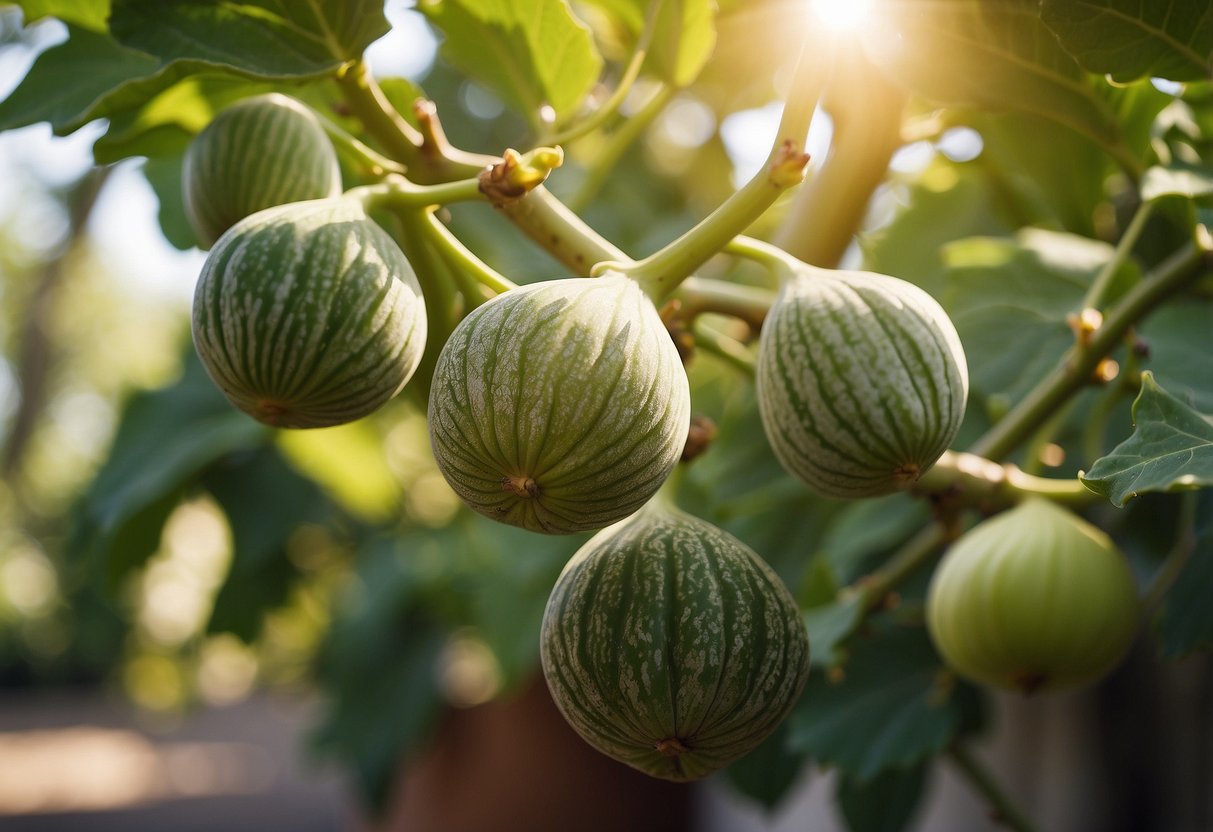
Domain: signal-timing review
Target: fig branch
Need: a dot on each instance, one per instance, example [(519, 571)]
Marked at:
[(1077, 367), (975, 480), (1099, 287), (371, 160), (432, 159), (825, 214), (662, 272), (472, 274), (396, 192), (1002, 807)]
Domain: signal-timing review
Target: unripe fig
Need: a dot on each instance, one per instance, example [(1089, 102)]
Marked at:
[(1035, 598), (560, 406), (861, 381), (260, 152), (669, 645), (308, 315)]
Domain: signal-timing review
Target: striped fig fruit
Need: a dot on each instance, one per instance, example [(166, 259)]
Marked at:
[(861, 381), (308, 314), (560, 406), (669, 645), (1033, 599), (260, 152)]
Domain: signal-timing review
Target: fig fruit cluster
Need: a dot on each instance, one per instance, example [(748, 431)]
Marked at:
[(563, 406), (308, 314)]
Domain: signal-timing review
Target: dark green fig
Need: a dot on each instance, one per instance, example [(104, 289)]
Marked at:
[(308, 315), (671, 646), (260, 152)]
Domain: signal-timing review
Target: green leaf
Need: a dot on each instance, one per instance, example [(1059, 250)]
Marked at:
[(68, 80), (829, 626), (164, 122), (1171, 449), (683, 38), (379, 666), (263, 38), (947, 202), (1009, 300), (1131, 39), (1186, 621), (266, 501), (1000, 56), (165, 440), (1177, 179), (1057, 190), (163, 173), (88, 14), (533, 53), (886, 803), (891, 709), (1180, 342)]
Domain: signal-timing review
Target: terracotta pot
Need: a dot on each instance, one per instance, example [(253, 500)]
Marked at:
[(516, 766)]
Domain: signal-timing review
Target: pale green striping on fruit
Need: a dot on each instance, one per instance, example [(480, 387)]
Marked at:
[(262, 151), (560, 406), (671, 646), (1033, 599), (308, 315), (861, 381)]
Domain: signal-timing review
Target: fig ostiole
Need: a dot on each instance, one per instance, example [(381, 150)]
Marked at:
[(671, 646), (262, 151), (861, 381), (560, 406), (1033, 599), (308, 314)]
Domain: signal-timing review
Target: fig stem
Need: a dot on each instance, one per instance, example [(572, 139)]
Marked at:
[(912, 555), (372, 160), (981, 481), (1098, 292), (396, 192), (1004, 809), (539, 214), (400, 139), (472, 275), (778, 262), (661, 273), (617, 143), (730, 350), (697, 295)]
